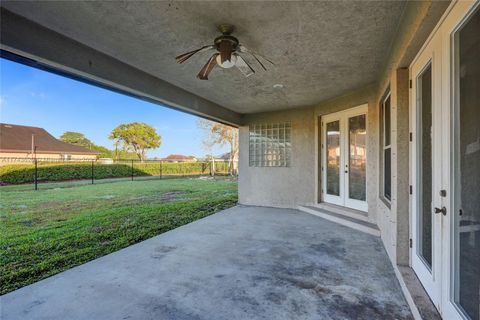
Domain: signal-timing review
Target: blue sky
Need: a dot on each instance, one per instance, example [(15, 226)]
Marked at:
[(33, 97)]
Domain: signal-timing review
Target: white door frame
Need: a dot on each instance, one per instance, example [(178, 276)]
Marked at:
[(338, 200), (430, 278), (440, 47), (342, 117)]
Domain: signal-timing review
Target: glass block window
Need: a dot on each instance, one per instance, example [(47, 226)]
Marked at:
[(270, 145)]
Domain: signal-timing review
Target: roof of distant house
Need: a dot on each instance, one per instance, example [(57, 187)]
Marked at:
[(178, 157), (16, 138)]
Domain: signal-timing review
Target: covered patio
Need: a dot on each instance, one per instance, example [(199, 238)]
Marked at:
[(366, 116), (242, 263)]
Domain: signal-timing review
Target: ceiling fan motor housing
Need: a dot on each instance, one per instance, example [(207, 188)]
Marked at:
[(226, 44)]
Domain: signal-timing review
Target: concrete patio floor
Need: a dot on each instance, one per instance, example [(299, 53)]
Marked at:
[(242, 263)]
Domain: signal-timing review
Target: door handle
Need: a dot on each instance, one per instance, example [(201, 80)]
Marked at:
[(443, 210)]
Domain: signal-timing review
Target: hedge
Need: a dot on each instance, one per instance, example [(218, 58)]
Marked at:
[(24, 173)]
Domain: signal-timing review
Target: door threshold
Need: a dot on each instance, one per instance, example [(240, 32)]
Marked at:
[(351, 222), (348, 212)]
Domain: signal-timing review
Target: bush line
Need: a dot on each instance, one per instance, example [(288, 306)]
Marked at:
[(24, 173)]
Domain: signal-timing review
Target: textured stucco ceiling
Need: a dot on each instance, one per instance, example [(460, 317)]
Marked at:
[(321, 49)]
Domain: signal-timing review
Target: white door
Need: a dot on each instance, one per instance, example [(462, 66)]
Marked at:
[(344, 158), (426, 169), (446, 240)]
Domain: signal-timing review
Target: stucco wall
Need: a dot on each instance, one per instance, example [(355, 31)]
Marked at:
[(298, 184), (55, 156), (286, 187), (399, 223)]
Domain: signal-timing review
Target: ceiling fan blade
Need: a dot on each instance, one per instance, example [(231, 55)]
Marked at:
[(242, 48), (207, 68), (244, 67), (265, 58), (258, 61), (184, 57)]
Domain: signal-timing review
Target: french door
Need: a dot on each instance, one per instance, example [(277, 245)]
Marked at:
[(344, 158), (445, 163), (427, 160)]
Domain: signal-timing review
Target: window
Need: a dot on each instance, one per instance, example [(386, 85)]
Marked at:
[(269, 145), (387, 149)]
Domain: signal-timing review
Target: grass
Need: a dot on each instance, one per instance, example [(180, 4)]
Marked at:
[(63, 225)]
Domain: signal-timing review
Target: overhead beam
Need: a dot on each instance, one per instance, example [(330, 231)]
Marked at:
[(28, 42)]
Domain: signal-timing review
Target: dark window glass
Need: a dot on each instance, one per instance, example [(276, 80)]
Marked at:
[(387, 170), (387, 187), (386, 111)]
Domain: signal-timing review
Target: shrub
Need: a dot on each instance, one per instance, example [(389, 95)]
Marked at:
[(24, 173)]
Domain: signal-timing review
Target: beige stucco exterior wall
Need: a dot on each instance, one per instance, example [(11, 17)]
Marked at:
[(286, 187), (393, 217), (55, 156)]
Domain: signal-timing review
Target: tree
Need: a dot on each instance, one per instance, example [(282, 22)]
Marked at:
[(221, 134), (137, 137), (104, 152), (77, 139)]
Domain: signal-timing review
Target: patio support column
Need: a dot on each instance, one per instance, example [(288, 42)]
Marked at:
[(399, 86)]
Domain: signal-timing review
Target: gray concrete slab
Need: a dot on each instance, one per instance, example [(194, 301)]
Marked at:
[(242, 263)]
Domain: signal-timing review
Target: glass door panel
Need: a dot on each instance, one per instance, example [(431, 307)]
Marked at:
[(425, 212), (357, 162), (333, 158), (467, 169)]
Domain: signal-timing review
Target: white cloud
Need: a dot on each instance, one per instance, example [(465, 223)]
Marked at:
[(39, 95)]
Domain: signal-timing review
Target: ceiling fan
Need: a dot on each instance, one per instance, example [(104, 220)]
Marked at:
[(227, 54)]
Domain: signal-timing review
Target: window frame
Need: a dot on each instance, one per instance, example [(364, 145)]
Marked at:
[(386, 147)]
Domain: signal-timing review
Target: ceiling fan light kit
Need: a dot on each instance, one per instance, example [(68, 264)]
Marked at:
[(227, 54)]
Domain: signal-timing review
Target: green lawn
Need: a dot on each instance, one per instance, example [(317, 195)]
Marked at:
[(63, 225)]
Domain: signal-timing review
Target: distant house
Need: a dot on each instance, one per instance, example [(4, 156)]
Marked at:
[(179, 158), (24, 142)]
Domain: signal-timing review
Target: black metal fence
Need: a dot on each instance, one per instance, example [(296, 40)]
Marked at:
[(15, 171)]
